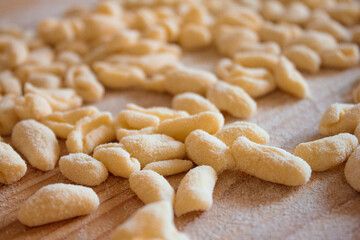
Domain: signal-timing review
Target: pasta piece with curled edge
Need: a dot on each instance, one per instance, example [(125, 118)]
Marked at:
[(83, 169), (244, 17), (62, 123), (194, 36), (9, 84), (340, 118), (257, 60), (255, 81), (150, 186), (195, 190), (272, 10), (90, 132), (170, 167), (24, 71), (334, 28), (42, 149), (130, 119), (180, 128), (8, 116), (84, 82), (32, 106), (70, 58), (152, 148), (123, 132), (184, 79), (205, 149), (13, 52), (100, 25), (229, 133), (258, 47), (119, 76), (232, 99), (192, 103), (163, 113), (296, 12), (59, 99), (303, 57), (116, 159), (345, 56), (229, 39), (290, 80), (270, 163), (56, 202), (152, 221), (352, 170), (279, 33), (12, 166), (328, 152), (317, 41), (54, 31), (44, 80), (346, 13)]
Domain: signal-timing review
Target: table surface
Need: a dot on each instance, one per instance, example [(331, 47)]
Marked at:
[(244, 207)]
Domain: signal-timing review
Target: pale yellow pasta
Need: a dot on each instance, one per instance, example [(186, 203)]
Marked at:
[(130, 119), (100, 25), (196, 14), (170, 167), (338, 31), (12, 166), (232, 99), (123, 132), (303, 57), (195, 190), (56, 202), (356, 94), (257, 60), (346, 13), (156, 83), (109, 8), (59, 99), (150, 187), (44, 80), (290, 80), (259, 47), (90, 132), (279, 33), (296, 12), (272, 10), (352, 169), (156, 32), (229, 39), (70, 58), (62, 123), (54, 31), (84, 82), (41, 149), (153, 221), (205, 149), (83, 169), (192, 103), (244, 17), (328, 152), (345, 56), (270, 163), (161, 112), (13, 52), (340, 118), (9, 84), (76, 46), (152, 148), (229, 133), (180, 128), (116, 159), (172, 27), (256, 82), (194, 36), (119, 76), (32, 106), (317, 41), (23, 71), (8, 116), (355, 32), (41, 56), (185, 79)]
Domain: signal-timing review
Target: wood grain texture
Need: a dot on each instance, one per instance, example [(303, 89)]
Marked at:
[(244, 207)]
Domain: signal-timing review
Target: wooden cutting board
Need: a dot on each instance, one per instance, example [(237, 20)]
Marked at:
[(244, 207)]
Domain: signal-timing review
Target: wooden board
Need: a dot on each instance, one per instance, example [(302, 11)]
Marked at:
[(244, 207)]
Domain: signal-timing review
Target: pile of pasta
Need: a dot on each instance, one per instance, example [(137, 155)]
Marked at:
[(50, 77)]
